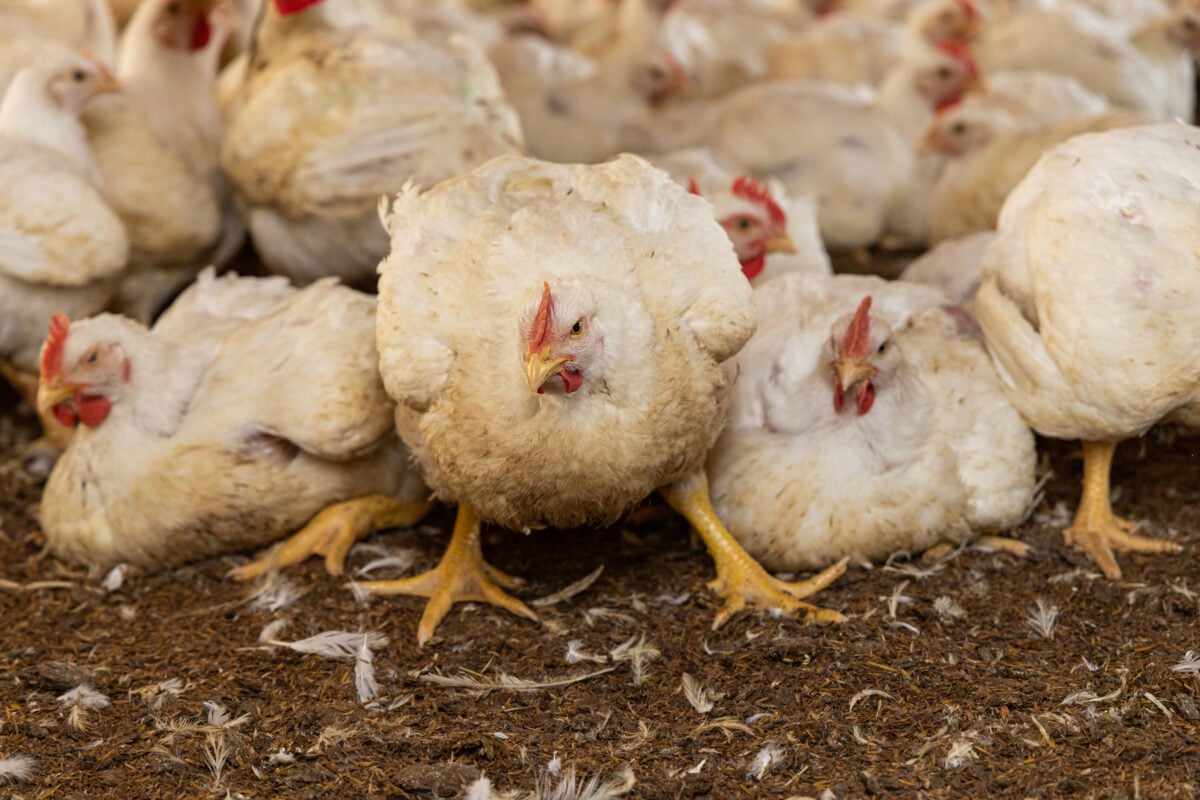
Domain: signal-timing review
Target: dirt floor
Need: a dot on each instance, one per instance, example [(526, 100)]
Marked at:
[(947, 682)]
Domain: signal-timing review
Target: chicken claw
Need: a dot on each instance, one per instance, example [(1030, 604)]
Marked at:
[(334, 530), (461, 576), (1095, 529), (740, 579)]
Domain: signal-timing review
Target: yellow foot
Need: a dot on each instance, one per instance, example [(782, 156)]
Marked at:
[(740, 580), (1009, 545), (333, 531), (1096, 530), (461, 576)]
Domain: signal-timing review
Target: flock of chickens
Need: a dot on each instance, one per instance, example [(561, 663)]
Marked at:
[(563, 328)]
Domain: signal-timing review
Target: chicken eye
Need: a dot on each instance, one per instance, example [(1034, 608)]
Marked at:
[(958, 128), (78, 76), (91, 359), (743, 223), (882, 349), (173, 8), (577, 328), (945, 73)]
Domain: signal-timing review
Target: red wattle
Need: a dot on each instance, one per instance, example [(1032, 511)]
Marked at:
[(572, 379), (65, 415), (286, 7), (866, 397), (92, 410), (839, 397), (753, 267), (201, 33)]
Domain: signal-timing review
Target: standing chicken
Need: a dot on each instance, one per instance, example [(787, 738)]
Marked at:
[(552, 335), (248, 408), (863, 424), (329, 118), (157, 144), (62, 246), (1089, 305)]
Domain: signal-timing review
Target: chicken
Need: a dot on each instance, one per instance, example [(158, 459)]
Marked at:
[(771, 232), (191, 441), (989, 156), (552, 336), (1035, 99), (79, 24), (62, 247), (864, 424), (1151, 71), (1088, 305), (330, 118), (843, 48), (157, 144)]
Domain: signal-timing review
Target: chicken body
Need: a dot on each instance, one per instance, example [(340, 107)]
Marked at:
[(86, 25), (1089, 299), (62, 247), (844, 48), (831, 454), (157, 145), (248, 408), (329, 119), (552, 336)]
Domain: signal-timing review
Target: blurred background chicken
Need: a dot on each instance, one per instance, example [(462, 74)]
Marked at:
[(248, 408), (863, 423), (327, 117), (552, 335), (1089, 305), (62, 246)]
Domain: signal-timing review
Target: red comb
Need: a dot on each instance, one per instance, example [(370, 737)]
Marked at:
[(969, 7), (854, 341), (961, 53), (540, 332), (52, 351), (694, 187), (286, 7), (749, 189)]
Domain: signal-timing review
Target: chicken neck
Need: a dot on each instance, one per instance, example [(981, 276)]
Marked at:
[(1096, 530), (461, 576), (740, 579)]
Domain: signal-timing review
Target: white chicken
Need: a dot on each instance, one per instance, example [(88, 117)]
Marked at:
[(329, 119), (157, 144), (552, 335), (1089, 305), (62, 247), (1034, 99), (771, 232), (952, 265), (249, 407), (863, 424), (79, 24), (989, 154), (844, 48)]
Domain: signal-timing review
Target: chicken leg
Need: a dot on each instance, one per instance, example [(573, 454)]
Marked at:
[(740, 579), (1096, 530), (461, 576), (334, 530)]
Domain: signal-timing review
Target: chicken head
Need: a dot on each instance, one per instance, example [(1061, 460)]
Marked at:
[(184, 24), (756, 225), (81, 377), (947, 21), (74, 81), (563, 342), (862, 354)]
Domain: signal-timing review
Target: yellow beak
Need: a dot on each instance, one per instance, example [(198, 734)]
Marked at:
[(54, 391), (539, 366), (779, 243), (851, 372)]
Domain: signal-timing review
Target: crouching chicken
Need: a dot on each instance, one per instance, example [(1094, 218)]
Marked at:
[(1090, 305), (864, 424), (552, 335), (250, 409)]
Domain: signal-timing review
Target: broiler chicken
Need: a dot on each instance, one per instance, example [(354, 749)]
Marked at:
[(62, 247), (78, 24), (552, 335), (1089, 305), (157, 145), (250, 409), (328, 118), (771, 232), (864, 424), (989, 154)]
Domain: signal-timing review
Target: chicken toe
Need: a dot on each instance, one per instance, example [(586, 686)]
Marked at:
[(461, 576), (740, 579), (333, 531), (1095, 529)]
